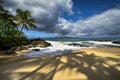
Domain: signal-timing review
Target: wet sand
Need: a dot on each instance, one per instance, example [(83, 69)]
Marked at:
[(85, 64)]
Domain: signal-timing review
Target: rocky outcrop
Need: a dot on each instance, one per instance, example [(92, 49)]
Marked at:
[(33, 43), (39, 43)]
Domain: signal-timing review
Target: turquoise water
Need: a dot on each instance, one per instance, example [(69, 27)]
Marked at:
[(74, 39)]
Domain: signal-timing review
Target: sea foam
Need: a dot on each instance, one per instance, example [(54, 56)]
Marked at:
[(59, 47)]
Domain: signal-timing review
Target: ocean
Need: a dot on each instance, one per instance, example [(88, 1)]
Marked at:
[(63, 45), (75, 39)]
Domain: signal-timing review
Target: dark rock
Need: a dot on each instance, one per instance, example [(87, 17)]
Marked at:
[(78, 45), (112, 46), (36, 49), (116, 42), (74, 44)]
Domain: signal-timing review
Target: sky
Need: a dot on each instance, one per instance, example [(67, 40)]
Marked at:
[(71, 18)]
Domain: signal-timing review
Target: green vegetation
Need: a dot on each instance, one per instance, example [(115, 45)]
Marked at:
[(10, 35), (7, 43), (24, 19)]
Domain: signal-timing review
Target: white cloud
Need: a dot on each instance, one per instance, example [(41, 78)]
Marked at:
[(104, 24)]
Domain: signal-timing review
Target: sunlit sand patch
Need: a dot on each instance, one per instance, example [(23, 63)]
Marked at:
[(63, 59), (14, 76), (26, 69), (103, 52), (30, 60), (69, 74), (22, 52)]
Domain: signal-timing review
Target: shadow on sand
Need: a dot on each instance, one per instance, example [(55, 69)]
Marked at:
[(44, 68)]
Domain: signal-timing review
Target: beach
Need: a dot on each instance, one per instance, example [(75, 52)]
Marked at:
[(83, 64), (59, 40)]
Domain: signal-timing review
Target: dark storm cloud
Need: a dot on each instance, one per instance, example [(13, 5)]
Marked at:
[(47, 12)]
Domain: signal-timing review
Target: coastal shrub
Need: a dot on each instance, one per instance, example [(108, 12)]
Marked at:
[(7, 43)]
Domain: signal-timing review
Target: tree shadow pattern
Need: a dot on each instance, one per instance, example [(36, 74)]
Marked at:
[(94, 67)]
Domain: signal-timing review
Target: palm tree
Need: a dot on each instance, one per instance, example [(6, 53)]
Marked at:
[(1, 8), (24, 19), (6, 22)]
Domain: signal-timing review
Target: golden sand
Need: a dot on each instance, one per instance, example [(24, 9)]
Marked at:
[(85, 64)]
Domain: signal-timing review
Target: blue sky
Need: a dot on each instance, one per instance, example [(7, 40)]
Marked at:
[(86, 8), (77, 18), (37, 34)]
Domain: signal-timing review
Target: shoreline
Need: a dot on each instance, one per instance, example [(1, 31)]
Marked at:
[(63, 46), (87, 50)]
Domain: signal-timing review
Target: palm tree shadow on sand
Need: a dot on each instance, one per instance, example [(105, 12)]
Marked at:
[(94, 67)]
